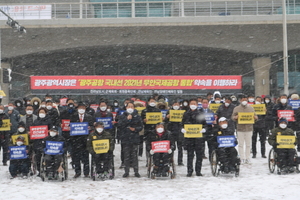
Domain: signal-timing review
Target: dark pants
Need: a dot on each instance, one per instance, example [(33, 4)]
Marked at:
[(212, 145), (19, 166), (79, 156), (4, 140), (161, 162), (285, 157), (269, 124), (38, 156), (179, 144), (102, 162), (262, 138), (227, 156), (298, 140), (66, 135), (131, 157), (53, 162), (141, 145), (122, 153), (194, 146)]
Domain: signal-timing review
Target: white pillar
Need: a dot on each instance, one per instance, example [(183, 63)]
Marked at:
[(262, 75)]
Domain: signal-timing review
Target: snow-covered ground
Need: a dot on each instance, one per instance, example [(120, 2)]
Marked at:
[(254, 182)]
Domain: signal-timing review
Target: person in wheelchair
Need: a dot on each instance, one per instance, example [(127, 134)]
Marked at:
[(285, 157), (54, 148), (20, 166), (101, 160), (160, 160), (226, 155)]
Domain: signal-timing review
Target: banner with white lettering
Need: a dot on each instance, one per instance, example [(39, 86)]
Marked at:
[(17, 152), (54, 148), (107, 121), (79, 128)]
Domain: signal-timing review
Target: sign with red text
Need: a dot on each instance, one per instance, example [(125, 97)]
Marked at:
[(288, 114), (38, 132), (161, 146), (65, 124)]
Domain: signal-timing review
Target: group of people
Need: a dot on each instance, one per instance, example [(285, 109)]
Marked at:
[(131, 126)]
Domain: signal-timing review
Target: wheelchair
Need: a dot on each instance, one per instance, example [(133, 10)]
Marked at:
[(273, 162), (62, 173), (103, 176), (217, 167), (151, 172)]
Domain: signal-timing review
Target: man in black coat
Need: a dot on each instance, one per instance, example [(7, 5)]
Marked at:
[(4, 137), (226, 111)]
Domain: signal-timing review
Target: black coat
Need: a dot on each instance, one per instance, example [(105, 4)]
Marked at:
[(54, 116), (277, 107), (128, 136), (153, 137), (38, 143), (218, 131)]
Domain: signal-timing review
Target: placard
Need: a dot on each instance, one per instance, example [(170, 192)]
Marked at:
[(79, 128), (65, 124), (107, 121), (193, 131), (14, 139), (100, 146), (295, 104), (246, 118), (288, 114), (63, 101), (214, 106), (210, 118), (226, 141), (17, 152), (94, 106), (153, 117), (260, 109), (54, 148), (176, 115), (285, 141), (6, 125), (38, 132), (160, 146)]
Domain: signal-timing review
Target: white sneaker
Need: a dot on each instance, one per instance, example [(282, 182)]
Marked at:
[(248, 162)]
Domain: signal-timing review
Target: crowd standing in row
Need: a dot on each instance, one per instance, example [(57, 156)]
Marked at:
[(130, 128)]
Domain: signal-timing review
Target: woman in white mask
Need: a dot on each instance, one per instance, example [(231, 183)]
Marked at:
[(101, 171), (281, 105)]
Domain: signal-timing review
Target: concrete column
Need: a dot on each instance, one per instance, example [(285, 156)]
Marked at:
[(261, 75), (5, 86)]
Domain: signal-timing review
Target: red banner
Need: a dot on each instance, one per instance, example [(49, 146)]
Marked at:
[(114, 115), (136, 82), (161, 146), (94, 106), (288, 114), (38, 132), (63, 101), (65, 124)]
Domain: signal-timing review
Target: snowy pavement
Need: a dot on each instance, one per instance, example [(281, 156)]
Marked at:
[(254, 182)]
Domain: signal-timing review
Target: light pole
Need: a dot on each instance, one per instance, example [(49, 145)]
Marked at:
[(285, 50)]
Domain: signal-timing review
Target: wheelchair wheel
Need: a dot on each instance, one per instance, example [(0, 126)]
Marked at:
[(149, 166), (33, 165), (93, 170), (272, 160), (173, 169), (65, 167), (112, 167), (214, 164), (42, 168)]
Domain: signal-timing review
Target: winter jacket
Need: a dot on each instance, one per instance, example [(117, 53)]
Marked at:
[(243, 127), (20, 107), (148, 127), (37, 143), (35, 107), (279, 131), (53, 113), (128, 136), (14, 120), (174, 128), (24, 119), (218, 131), (153, 137), (99, 136)]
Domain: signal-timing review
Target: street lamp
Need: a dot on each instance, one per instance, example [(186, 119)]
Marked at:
[(285, 50)]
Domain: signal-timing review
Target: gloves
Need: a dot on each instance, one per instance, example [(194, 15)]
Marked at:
[(183, 130), (170, 151), (203, 130), (151, 152)]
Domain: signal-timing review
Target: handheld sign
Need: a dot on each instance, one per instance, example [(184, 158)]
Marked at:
[(121, 112), (193, 131), (38, 132), (285, 141), (17, 152), (140, 109), (199, 105), (63, 101), (160, 146), (114, 115), (100, 146), (14, 139), (6, 125), (214, 106), (79, 128), (210, 118), (107, 121), (54, 148), (246, 118), (153, 117), (295, 104), (164, 113), (65, 124), (94, 106), (288, 114), (226, 141), (260, 109), (176, 115)]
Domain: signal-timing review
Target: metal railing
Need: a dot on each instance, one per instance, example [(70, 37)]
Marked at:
[(134, 8)]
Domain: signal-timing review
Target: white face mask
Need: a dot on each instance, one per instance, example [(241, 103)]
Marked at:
[(217, 101), (43, 106), (103, 108), (35, 103), (224, 126), (233, 99), (81, 111), (18, 104), (52, 133), (115, 104), (19, 143), (257, 102), (244, 103), (185, 103), (160, 130), (10, 107), (227, 104), (267, 101), (21, 129), (108, 110), (49, 107), (283, 126), (193, 107), (42, 115), (251, 100), (152, 104), (129, 110), (29, 112), (283, 101), (28, 102), (175, 107), (99, 130)]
